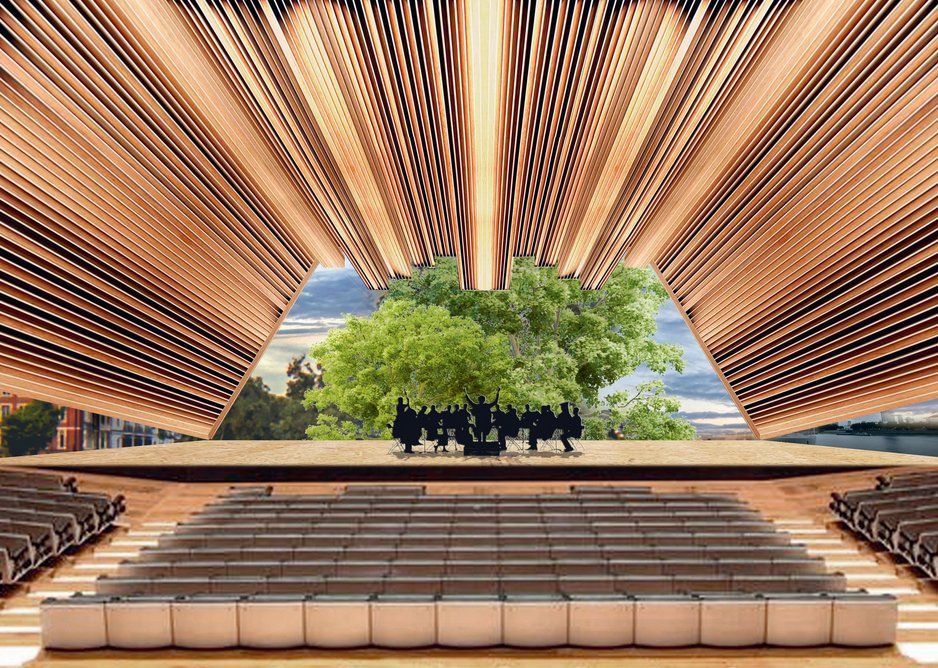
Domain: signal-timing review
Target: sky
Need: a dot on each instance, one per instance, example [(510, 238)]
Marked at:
[(332, 293)]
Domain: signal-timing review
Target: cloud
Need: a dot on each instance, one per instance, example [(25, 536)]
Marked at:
[(331, 294)]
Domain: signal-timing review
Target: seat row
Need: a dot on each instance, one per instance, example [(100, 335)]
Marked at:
[(544, 531), (503, 542), (39, 523), (481, 568), (474, 553), (410, 621), (913, 479), (14, 478), (900, 513), (449, 584), (380, 516)]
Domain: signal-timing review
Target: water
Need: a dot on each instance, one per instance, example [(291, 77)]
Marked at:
[(907, 444)]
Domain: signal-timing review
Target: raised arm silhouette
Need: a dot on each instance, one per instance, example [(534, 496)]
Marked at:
[(482, 414)]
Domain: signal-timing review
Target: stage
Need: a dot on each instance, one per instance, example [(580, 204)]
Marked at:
[(219, 461)]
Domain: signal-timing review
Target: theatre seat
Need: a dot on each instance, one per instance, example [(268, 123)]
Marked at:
[(667, 621), (338, 621), (403, 621), (796, 620), (597, 620), (469, 621), (139, 623), (862, 620), (728, 620), (272, 621), (74, 623), (535, 620), (205, 622)]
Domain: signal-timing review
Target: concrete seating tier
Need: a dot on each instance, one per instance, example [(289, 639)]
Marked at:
[(391, 566), (900, 513), (41, 516)]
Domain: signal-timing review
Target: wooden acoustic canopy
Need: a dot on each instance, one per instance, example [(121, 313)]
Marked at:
[(173, 170)]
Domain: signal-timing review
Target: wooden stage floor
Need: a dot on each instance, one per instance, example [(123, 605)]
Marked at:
[(218, 461)]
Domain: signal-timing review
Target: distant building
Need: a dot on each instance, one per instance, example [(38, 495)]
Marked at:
[(84, 430)]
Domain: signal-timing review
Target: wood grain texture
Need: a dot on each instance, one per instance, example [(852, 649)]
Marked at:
[(173, 170), (364, 454)]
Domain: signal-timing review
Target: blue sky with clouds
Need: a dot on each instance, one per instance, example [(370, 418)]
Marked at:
[(331, 293)]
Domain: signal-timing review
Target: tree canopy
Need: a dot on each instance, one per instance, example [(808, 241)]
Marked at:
[(565, 343), (543, 341), (403, 347), (30, 429)]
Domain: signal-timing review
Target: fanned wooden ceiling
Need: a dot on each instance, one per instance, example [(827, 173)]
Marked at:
[(173, 170)]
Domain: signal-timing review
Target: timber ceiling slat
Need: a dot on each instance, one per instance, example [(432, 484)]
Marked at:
[(182, 165)]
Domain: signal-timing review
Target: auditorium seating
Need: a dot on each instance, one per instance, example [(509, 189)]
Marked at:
[(900, 513), (391, 566), (42, 516)]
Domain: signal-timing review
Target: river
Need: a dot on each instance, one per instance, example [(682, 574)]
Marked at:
[(909, 444)]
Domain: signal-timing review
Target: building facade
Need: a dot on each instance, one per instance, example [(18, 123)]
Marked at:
[(84, 430)]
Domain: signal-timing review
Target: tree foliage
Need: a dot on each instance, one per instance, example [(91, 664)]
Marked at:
[(543, 341), (565, 343), (254, 415), (422, 351), (645, 414), (30, 429)]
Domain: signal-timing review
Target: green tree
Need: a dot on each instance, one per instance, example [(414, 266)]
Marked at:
[(403, 347), (294, 417), (30, 429), (331, 428), (565, 343), (543, 341), (645, 414), (255, 414)]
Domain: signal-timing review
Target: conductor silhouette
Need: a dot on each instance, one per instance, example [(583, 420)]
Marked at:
[(482, 414)]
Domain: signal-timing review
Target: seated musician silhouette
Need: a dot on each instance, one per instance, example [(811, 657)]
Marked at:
[(398, 425), (482, 414), (507, 425), (460, 421), (434, 428), (546, 424), (529, 422), (446, 423), (407, 425), (567, 424)]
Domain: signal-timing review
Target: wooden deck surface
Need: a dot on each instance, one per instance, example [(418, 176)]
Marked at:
[(376, 453)]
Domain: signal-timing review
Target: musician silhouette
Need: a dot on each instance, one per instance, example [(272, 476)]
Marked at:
[(546, 423), (461, 426), (435, 431), (567, 424), (529, 422), (407, 425), (507, 424), (482, 414)]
